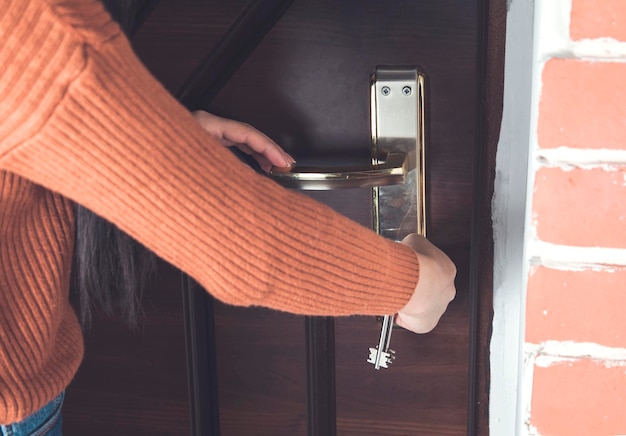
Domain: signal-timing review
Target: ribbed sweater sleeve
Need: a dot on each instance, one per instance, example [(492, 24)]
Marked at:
[(80, 116)]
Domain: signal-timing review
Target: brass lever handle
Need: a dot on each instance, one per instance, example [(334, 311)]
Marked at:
[(397, 174), (392, 171)]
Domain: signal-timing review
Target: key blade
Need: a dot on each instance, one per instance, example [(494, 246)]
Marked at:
[(385, 333), (380, 356)]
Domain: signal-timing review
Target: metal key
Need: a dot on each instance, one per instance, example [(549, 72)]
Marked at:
[(382, 356)]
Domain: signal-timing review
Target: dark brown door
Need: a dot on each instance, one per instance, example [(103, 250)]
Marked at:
[(306, 86)]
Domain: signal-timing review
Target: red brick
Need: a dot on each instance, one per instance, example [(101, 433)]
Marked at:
[(579, 399), (581, 207), (583, 105), (597, 19), (580, 306)]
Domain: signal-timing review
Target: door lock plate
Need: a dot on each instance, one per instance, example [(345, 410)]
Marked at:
[(397, 105)]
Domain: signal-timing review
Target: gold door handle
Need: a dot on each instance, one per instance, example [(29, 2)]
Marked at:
[(397, 174), (392, 170)]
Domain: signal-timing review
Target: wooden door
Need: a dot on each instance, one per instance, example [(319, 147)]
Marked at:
[(306, 86), (262, 356)]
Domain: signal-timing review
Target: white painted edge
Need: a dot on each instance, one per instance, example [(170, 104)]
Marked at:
[(550, 39), (509, 225)]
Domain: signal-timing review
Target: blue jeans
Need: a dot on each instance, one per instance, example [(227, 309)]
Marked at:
[(46, 421)]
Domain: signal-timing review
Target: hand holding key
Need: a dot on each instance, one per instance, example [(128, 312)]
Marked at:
[(434, 291), (432, 295)]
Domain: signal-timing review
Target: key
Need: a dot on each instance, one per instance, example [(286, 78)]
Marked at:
[(382, 356)]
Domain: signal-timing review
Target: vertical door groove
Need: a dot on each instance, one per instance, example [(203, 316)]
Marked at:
[(320, 369), (201, 359)]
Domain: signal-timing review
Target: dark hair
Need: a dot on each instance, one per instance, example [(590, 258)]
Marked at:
[(110, 269)]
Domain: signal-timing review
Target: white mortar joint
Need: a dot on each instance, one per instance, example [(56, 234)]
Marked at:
[(551, 353)]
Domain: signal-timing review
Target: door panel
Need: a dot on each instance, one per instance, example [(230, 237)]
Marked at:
[(306, 86), (261, 372)]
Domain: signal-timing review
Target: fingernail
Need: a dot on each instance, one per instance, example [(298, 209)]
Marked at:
[(289, 160), (284, 169)]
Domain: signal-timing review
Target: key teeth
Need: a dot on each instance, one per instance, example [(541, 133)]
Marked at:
[(372, 358), (387, 358)]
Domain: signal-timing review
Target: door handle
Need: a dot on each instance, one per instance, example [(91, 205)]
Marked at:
[(397, 173), (390, 171)]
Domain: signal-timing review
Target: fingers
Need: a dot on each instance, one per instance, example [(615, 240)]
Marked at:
[(435, 288), (246, 138), (257, 142)]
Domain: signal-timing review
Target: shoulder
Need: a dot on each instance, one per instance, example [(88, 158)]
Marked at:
[(87, 18)]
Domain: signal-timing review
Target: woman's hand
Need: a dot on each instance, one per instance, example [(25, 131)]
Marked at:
[(246, 138), (433, 292)]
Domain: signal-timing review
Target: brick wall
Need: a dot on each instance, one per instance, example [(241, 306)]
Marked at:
[(575, 322)]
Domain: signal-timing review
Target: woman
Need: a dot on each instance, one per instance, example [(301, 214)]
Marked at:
[(82, 121)]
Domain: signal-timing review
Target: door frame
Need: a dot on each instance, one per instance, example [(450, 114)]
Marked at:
[(491, 41)]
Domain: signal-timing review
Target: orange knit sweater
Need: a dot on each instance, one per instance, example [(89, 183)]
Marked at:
[(81, 119)]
